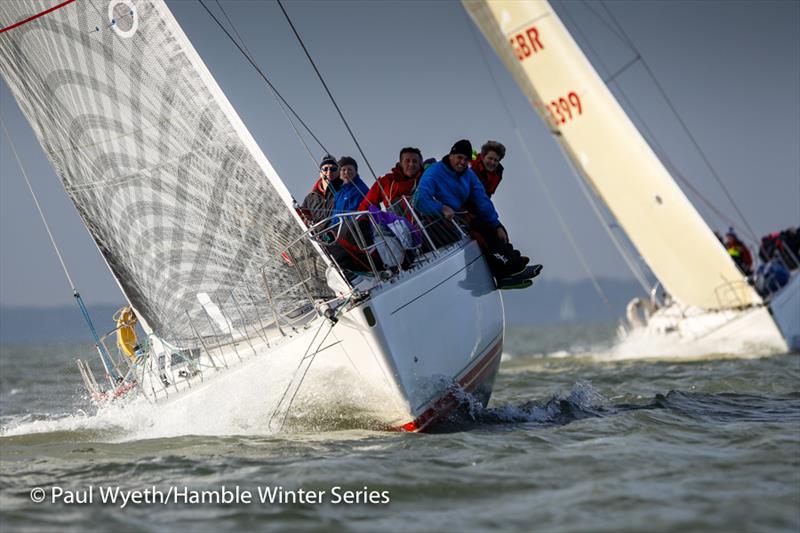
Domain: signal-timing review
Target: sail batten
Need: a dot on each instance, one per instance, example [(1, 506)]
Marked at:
[(607, 149), (176, 193)]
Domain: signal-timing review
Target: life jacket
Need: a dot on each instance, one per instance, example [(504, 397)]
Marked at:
[(489, 180), (126, 335)]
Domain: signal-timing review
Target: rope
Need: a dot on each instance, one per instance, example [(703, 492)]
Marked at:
[(327, 90), (38, 207), (683, 124), (629, 261), (651, 137), (537, 174), (306, 355), (264, 77), (274, 94), (104, 354)]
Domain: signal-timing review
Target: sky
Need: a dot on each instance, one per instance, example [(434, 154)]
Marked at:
[(413, 73)]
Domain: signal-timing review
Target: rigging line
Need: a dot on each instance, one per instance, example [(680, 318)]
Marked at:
[(684, 126), (38, 207), (274, 95), (313, 357), (104, 356), (671, 166), (652, 138), (634, 268), (325, 85), (662, 153), (79, 150), (582, 180), (626, 66), (263, 76), (85, 160), (590, 196), (722, 216), (536, 173), (303, 377), (607, 24)]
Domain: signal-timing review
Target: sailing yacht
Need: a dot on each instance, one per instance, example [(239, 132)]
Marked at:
[(203, 239), (708, 298)]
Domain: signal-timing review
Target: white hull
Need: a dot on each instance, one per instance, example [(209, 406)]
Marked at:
[(760, 330), (397, 354), (785, 309)]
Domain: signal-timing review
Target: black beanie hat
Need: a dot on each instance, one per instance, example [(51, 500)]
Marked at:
[(328, 160), (463, 147), (347, 160)]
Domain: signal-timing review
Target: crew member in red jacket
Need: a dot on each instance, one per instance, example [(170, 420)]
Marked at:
[(487, 165), (401, 181)]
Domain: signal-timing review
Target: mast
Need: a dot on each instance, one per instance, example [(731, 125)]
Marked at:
[(607, 149)]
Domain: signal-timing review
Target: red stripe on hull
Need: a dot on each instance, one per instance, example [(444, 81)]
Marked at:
[(470, 381)]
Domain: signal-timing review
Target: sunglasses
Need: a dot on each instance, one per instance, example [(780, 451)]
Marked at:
[(329, 169)]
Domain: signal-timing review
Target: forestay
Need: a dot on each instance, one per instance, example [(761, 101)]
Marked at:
[(181, 202), (609, 151)]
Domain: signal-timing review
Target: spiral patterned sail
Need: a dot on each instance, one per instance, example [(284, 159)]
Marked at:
[(185, 208)]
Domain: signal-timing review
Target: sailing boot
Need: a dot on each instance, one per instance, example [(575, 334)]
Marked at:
[(521, 279)]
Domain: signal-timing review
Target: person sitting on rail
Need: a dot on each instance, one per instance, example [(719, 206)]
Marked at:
[(352, 236), (771, 276), (352, 191), (739, 252), (400, 182), (487, 166), (447, 187), (318, 204)]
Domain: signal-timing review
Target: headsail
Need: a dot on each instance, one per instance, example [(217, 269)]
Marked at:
[(610, 152), (181, 202)]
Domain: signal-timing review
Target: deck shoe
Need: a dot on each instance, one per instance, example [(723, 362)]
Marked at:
[(525, 272), (518, 280), (506, 284)]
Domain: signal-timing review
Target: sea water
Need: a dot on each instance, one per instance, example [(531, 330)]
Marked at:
[(576, 438)]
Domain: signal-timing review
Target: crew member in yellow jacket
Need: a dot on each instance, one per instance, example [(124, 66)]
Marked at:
[(126, 335)]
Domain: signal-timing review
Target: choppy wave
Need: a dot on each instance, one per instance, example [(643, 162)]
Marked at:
[(584, 401)]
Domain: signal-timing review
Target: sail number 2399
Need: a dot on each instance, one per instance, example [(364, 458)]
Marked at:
[(565, 108)]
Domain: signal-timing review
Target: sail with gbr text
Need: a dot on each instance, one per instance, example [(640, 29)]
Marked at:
[(605, 146)]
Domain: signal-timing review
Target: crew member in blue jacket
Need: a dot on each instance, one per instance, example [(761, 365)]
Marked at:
[(352, 190), (449, 186)]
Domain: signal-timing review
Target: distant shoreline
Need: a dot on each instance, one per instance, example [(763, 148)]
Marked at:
[(547, 302)]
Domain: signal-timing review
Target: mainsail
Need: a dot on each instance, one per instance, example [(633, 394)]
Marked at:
[(609, 151), (187, 211)]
